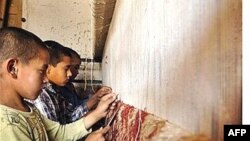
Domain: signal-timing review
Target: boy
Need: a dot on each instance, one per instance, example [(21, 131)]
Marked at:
[(50, 102), (23, 63), (69, 92)]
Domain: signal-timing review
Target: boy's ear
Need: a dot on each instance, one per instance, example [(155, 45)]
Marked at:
[(12, 67)]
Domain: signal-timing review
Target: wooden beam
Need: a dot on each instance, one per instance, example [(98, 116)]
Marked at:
[(2, 11), (15, 13)]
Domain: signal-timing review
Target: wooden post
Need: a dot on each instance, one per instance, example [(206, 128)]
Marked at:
[(2, 11)]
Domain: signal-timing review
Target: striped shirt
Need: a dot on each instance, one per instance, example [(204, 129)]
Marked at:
[(54, 106)]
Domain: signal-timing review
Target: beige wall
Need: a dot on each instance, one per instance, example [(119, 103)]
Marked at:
[(66, 21), (178, 59)]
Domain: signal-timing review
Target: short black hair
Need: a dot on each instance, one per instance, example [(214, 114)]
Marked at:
[(57, 51), (19, 43), (73, 53)]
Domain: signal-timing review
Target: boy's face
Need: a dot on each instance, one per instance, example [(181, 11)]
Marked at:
[(74, 68), (31, 76), (60, 73)]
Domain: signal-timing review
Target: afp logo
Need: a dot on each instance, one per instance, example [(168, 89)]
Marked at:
[(237, 132)]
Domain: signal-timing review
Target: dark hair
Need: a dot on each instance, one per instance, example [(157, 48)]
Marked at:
[(19, 43), (73, 53), (56, 52)]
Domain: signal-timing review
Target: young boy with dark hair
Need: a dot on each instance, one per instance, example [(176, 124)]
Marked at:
[(51, 102), (24, 60), (75, 63), (69, 91)]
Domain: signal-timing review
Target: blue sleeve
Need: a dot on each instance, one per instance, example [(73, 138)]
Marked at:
[(78, 112)]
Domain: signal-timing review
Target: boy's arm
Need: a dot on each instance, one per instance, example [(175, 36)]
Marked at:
[(78, 129), (72, 131), (77, 112), (81, 110)]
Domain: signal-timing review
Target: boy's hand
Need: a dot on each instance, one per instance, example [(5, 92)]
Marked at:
[(98, 135), (97, 96), (101, 109), (105, 103)]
